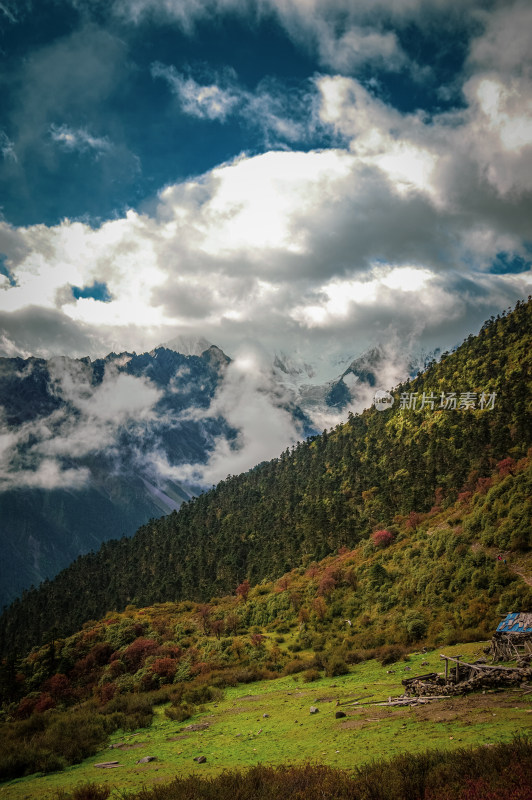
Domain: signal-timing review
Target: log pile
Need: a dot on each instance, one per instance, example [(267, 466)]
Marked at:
[(461, 677), (510, 646)]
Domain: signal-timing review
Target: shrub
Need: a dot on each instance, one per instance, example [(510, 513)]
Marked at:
[(317, 662), (179, 713), (197, 695), (137, 652), (311, 675), (243, 590), (75, 736), (250, 674), (327, 585), (381, 538), (358, 656), (390, 653), (132, 710), (336, 666), (44, 703), (162, 695), (416, 628), (107, 692), (294, 666), (90, 791), (164, 667)]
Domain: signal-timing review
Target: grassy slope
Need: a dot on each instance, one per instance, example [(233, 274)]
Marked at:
[(292, 735), (443, 572)]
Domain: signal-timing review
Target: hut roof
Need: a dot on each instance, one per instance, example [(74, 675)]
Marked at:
[(517, 622)]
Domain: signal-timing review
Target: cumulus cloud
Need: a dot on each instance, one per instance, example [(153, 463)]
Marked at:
[(503, 46), (387, 233), (251, 246), (324, 249)]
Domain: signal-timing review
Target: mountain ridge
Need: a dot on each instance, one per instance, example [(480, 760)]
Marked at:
[(328, 492)]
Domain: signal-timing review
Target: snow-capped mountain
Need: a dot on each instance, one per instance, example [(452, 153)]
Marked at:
[(92, 449)]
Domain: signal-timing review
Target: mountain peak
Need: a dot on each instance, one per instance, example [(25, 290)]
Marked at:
[(188, 345)]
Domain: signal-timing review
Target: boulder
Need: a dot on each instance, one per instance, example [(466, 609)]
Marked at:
[(146, 759), (340, 714), (201, 759), (314, 710)]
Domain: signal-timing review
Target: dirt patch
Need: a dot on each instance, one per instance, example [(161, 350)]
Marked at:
[(130, 746), (481, 707), (467, 710)]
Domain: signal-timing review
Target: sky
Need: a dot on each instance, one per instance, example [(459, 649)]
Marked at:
[(303, 176)]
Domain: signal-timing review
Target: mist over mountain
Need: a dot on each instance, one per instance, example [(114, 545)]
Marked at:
[(86, 446), (425, 452), (91, 450)]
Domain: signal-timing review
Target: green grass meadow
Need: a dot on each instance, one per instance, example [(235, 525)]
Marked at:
[(239, 736)]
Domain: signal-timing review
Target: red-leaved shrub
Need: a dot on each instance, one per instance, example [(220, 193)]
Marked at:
[(381, 538)]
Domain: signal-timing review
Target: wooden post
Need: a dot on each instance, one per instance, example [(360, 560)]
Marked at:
[(446, 669)]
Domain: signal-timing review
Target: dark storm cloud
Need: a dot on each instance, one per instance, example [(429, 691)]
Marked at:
[(42, 331)]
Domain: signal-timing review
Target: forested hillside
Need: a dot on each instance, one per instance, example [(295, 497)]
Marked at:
[(331, 491), (433, 579)]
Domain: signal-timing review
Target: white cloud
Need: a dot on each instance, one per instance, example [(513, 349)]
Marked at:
[(504, 43), (256, 406), (282, 115), (79, 139), (205, 102), (303, 247), (89, 421), (344, 35), (388, 236), (347, 51), (48, 475), (7, 148)]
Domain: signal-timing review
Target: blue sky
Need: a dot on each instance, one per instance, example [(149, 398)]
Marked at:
[(311, 176)]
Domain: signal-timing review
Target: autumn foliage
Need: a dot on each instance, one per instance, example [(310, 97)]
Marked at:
[(382, 538)]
